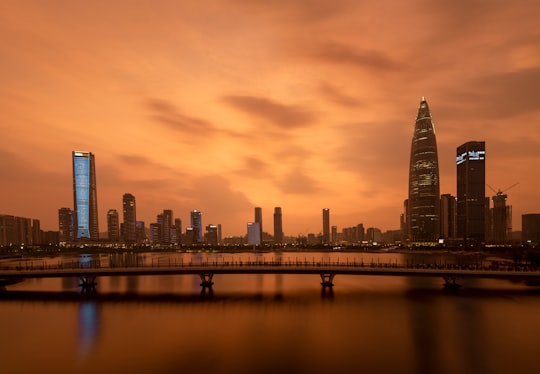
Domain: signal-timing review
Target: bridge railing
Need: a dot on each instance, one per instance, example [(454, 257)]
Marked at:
[(168, 262)]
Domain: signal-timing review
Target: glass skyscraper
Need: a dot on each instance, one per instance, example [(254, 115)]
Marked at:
[(471, 192), (423, 202), (196, 225), (85, 216)]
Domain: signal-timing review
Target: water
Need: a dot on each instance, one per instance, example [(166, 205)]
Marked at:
[(269, 323)]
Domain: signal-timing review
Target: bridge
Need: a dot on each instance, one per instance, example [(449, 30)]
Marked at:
[(87, 272)]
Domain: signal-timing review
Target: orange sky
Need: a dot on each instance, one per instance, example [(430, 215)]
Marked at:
[(227, 105)]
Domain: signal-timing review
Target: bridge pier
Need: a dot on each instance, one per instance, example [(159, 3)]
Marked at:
[(206, 280), (327, 279), (451, 284), (88, 283)]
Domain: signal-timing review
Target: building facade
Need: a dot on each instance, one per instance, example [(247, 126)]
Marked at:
[(196, 226), (85, 215), (278, 226), (530, 228), (471, 192), (65, 224), (129, 211), (113, 226), (423, 202), (448, 217), (326, 226)]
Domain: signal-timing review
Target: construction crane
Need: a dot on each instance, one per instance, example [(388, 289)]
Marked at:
[(500, 192)]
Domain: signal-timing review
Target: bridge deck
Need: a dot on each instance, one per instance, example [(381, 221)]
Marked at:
[(53, 271)]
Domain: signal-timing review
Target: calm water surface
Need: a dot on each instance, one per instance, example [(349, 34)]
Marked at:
[(269, 323)]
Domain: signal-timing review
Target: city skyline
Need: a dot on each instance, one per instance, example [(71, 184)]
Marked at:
[(232, 106)]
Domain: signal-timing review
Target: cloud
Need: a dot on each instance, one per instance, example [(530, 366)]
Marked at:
[(338, 53), (168, 114), (298, 182), (337, 96), (254, 168), (280, 115)]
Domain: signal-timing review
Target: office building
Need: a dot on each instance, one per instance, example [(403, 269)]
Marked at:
[(258, 219), (65, 224), (530, 229), (501, 218), (253, 233), (141, 232), (471, 192), (326, 225), (211, 236), (196, 226), (448, 217), (85, 216), (113, 226), (278, 226), (17, 230), (129, 210), (423, 202)]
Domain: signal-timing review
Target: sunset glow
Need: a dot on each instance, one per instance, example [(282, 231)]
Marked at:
[(223, 106)]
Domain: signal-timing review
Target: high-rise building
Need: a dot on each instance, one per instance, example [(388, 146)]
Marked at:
[(423, 208), (36, 232), (113, 226), (278, 226), (501, 218), (178, 230), (16, 230), (65, 224), (211, 235), (448, 217), (196, 225), (471, 192), (141, 232), (165, 222), (85, 215), (129, 210), (258, 219), (530, 228), (326, 225), (253, 233)]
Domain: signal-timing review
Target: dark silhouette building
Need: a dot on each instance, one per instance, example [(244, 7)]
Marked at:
[(85, 215), (448, 216), (65, 224), (258, 219), (196, 226), (501, 217), (326, 225), (278, 226), (113, 226), (471, 192), (530, 228), (129, 210), (423, 202)]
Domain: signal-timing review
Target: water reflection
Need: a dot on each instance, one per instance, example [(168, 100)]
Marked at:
[(89, 325)]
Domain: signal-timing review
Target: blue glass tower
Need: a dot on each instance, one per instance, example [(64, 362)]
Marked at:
[(85, 196)]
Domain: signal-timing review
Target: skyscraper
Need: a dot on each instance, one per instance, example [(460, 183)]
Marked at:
[(65, 224), (258, 219), (471, 192), (278, 226), (448, 216), (85, 215), (326, 225), (113, 226), (196, 225), (501, 216), (129, 210), (423, 209)]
